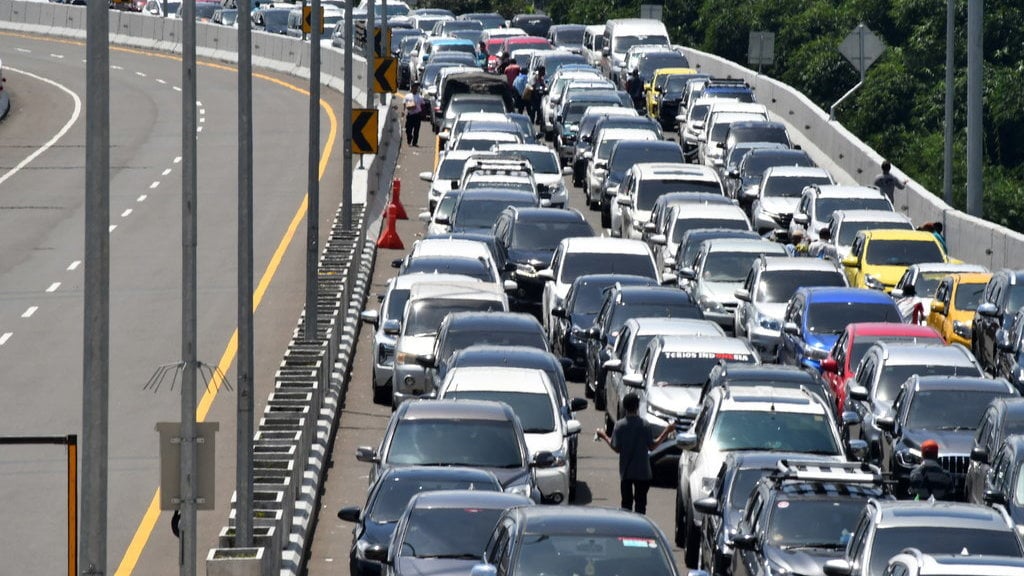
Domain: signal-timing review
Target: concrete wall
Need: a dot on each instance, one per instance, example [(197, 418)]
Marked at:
[(5, 100), (970, 239)]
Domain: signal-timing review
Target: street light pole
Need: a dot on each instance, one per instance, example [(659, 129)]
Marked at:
[(975, 83), (947, 152)]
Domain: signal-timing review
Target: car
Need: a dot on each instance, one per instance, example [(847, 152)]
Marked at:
[(778, 195), (659, 221), (885, 527), (575, 257), (386, 500), (844, 225), (1001, 485), (884, 369), (597, 163), (645, 182), (914, 291), (801, 515), (387, 324), (758, 131), (945, 409), (473, 433), (745, 418), (878, 258), (691, 216), (530, 540), (686, 251), (570, 111), (769, 284), (743, 182), (462, 103), (624, 359), (546, 169), (734, 156), (913, 562), (620, 304), (954, 305), (485, 139), (1003, 418), (437, 254), (839, 367), (444, 531), (720, 120), (727, 373), (449, 170), (479, 208), (656, 87), (507, 174), (1004, 296), (1010, 352), (535, 402), (668, 98), (624, 154), (719, 270), (558, 83), (668, 380), (815, 317), (574, 156), (567, 36), (819, 202)]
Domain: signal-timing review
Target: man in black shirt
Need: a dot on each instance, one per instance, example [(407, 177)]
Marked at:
[(929, 478), (632, 439)]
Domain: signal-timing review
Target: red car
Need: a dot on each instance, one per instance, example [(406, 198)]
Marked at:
[(513, 43), (842, 361), (493, 48)]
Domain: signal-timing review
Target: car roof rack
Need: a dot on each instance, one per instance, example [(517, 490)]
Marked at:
[(835, 472)]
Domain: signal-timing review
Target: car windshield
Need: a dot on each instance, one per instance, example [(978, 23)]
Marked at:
[(458, 106), (949, 409), (862, 343), (832, 317), (586, 552), (927, 283), (625, 156), (834, 520), (675, 83), (848, 231), (588, 297), (659, 310), (824, 207), (482, 213), (779, 286), (580, 263), (577, 108), (465, 442), (755, 164), (894, 376), (969, 296), (395, 493), (466, 266), (790, 186), (760, 134), (543, 161), (773, 430), (650, 190), (425, 316), (723, 266), (466, 338), (535, 411), (540, 235), (683, 224), (396, 304), (623, 43), (692, 368), (451, 168), (459, 533), (941, 537), (742, 485), (569, 37), (903, 252)]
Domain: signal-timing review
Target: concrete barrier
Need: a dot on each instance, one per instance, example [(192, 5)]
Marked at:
[(5, 100), (970, 239)]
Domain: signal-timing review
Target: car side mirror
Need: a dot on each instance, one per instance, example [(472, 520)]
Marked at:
[(857, 450), (624, 201), (649, 226), (573, 427), (851, 262), (659, 239), (426, 360), (397, 263), (367, 454), (859, 393), (851, 418), (687, 273), (510, 285), (734, 173), (392, 327), (427, 176), (988, 309), (633, 380), (836, 567), (547, 275), (444, 221), (669, 279), (886, 423), (686, 440), (484, 570), (593, 332), (1003, 340), (744, 541), (993, 498), (543, 459), (742, 295), (938, 307), (377, 553), (979, 455), (578, 404), (791, 328), (567, 171), (800, 218), (829, 365), (349, 514), (423, 216), (613, 365), (897, 293), (370, 317), (558, 312), (707, 506)]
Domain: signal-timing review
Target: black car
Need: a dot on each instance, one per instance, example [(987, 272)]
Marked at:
[(620, 304), (576, 315), (689, 245), (532, 24), (386, 500), (569, 113), (479, 210), (742, 183), (802, 515), (945, 409), (567, 36), (648, 62), (626, 153), (1004, 417), (1004, 296), (402, 42), (461, 330), (669, 96), (589, 128), (529, 236), (1002, 486), (532, 540), (1009, 362)]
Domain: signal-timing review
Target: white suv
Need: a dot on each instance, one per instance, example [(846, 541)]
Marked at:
[(645, 182)]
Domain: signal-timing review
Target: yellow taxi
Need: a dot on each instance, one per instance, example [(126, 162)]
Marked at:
[(653, 89), (955, 302), (878, 258)]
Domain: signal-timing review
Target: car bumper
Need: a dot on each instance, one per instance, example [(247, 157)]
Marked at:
[(553, 484), (410, 381)]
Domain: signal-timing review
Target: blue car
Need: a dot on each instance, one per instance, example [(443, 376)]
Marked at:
[(815, 317)]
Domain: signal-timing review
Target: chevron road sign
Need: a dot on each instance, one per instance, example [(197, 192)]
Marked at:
[(385, 75), (364, 130)]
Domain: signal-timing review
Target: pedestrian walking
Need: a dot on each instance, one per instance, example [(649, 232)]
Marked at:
[(929, 478), (533, 93), (632, 440), (414, 105), (888, 183), (519, 86)]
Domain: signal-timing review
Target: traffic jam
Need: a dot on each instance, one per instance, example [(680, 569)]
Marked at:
[(618, 252)]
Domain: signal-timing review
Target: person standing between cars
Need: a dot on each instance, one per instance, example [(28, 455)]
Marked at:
[(512, 72), (635, 88), (929, 478), (632, 440), (519, 86), (414, 104), (888, 183), (533, 93)]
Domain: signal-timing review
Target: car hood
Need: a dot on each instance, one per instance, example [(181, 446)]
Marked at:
[(822, 341), (723, 292), (543, 442), (951, 442), (777, 205), (377, 533), (888, 275), (807, 562), (552, 180), (510, 476), (520, 256), (412, 566), (416, 344), (775, 310), (673, 399)]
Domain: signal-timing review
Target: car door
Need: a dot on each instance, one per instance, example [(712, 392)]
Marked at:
[(938, 315), (745, 561), (977, 471), (900, 408), (744, 311), (614, 387), (853, 275)]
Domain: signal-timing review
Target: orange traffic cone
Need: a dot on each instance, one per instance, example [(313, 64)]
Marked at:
[(389, 238), (396, 199)]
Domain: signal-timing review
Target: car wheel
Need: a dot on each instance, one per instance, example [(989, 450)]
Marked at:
[(680, 529), (606, 217), (609, 424), (692, 553), (381, 395), (600, 398), (572, 478)]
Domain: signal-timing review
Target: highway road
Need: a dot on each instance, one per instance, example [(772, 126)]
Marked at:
[(41, 229)]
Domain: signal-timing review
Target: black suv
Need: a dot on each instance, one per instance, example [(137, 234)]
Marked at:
[(587, 132), (1002, 485), (945, 409), (1004, 417), (1004, 295), (801, 516), (1009, 362)]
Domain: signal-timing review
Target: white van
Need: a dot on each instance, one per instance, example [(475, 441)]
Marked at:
[(593, 41), (620, 34)]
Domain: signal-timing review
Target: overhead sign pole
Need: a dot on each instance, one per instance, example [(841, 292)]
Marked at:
[(346, 127), (368, 50)]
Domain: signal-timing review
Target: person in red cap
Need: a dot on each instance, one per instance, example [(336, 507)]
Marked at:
[(929, 478)]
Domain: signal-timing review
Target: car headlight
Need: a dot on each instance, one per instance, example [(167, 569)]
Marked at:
[(962, 329), (405, 358), (768, 323), (873, 283), (908, 457), (709, 305), (521, 489)]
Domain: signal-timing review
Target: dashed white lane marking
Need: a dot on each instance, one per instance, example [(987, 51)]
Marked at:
[(116, 67), (29, 312), (112, 228), (53, 287), (177, 159), (126, 213), (141, 198), (199, 129), (5, 337), (202, 111), (24, 50), (161, 81), (74, 265), (166, 172), (57, 56), (198, 103), (140, 74), (176, 88), (154, 184), (202, 120)]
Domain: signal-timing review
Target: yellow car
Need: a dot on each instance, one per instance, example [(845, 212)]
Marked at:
[(653, 89), (878, 258), (956, 299)]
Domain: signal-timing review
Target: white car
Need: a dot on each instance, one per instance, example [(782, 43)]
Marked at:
[(449, 169), (818, 203), (597, 167), (646, 182), (916, 288), (547, 171), (558, 84), (690, 217), (778, 195), (712, 142), (534, 400)]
